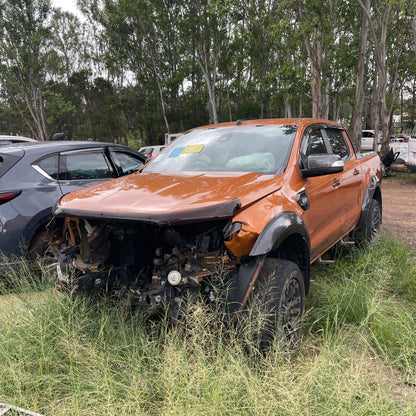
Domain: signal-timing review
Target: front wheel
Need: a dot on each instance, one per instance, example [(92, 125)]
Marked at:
[(275, 306), (42, 255)]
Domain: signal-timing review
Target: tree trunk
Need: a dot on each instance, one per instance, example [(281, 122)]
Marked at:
[(314, 50), (288, 109), (157, 76), (414, 32), (210, 76), (357, 115), (380, 55), (382, 84)]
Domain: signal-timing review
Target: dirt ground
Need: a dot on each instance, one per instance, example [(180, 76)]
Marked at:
[(399, 208)]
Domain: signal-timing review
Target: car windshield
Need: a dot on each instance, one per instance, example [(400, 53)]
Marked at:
[(260, 149)]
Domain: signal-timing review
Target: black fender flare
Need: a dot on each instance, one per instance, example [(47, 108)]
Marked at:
[(369, 194), (277, 230)]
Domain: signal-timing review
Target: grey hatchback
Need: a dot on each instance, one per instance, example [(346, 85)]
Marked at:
[(33, 176)]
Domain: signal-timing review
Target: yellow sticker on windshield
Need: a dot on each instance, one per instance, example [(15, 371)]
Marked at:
[(193, 148)]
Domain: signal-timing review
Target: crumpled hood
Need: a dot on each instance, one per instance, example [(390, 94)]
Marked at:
[(169, 198)]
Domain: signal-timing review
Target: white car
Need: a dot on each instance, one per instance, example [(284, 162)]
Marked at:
[(8, 140), (367, 139)]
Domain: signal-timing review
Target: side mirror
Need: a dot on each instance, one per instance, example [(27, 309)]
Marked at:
[(319, 165)]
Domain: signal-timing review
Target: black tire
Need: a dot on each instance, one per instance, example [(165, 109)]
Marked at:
[(275, 306), (371, 225)]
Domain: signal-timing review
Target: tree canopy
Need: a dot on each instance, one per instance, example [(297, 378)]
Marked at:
[(141, 68)]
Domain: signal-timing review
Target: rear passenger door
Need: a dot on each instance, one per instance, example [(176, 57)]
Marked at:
[(85, 167), (350, 178)]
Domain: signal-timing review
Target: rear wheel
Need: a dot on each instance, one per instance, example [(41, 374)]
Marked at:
[(371, 223), (275, 306)]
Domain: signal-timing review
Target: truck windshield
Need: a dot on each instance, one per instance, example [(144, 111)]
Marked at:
[(259, 149)]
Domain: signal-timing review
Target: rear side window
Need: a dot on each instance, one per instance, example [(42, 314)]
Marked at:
[(337, 142), (6, 162), (85, 165), (49, 165), (128, 163)]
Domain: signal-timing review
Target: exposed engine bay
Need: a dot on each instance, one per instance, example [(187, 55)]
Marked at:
[(153, 265)]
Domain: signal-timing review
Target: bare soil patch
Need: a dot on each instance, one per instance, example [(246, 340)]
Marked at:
[(399, 208)]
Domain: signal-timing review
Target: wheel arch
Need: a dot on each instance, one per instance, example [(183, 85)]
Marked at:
[(373, 191), (36, 225), (286, 237)]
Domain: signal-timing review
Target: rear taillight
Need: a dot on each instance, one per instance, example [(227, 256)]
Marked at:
[(7, 196)]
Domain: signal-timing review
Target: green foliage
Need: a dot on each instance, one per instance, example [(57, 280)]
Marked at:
[(171, 65), (373, 291), (24, 34)]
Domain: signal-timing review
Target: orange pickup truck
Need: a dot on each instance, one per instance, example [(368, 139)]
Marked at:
[(259, 200)]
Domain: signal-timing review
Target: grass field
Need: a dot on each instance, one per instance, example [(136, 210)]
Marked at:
[(77, 356)]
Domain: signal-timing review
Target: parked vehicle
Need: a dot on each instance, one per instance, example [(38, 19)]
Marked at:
[(170, 137), (411, 159), (33, 176), (7, 140), (400, 137), (367, 139), (151, 151), (261, 199)]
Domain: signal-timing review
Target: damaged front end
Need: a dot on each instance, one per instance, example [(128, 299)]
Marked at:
[(151, 264)]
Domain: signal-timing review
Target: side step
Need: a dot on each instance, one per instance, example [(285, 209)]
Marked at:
[(346, 242), (341, 242), (325, 261)]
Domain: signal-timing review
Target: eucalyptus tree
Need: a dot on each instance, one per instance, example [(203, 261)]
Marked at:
[(143, 37), (312, 21), (205, 29), (72, 49), (316, 21), (414, 31), (257, 19), (390, 29), (360, 79), (292, 87), (24, 44)]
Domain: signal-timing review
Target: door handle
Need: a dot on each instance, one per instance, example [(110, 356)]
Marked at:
[(337, 183), (356, 172)]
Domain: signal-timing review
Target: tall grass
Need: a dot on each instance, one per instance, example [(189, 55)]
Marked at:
[(75, 355)]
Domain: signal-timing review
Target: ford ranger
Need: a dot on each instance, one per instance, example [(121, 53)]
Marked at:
[(257, 200)]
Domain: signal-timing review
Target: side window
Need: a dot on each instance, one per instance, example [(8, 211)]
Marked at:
[(48, 165), (316, 144), (85, 165), (337, 142), (312, 144), (128, 163)]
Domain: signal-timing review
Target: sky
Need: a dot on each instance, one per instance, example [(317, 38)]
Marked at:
[(66, 5)]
